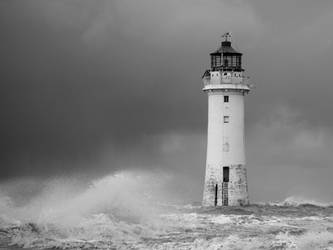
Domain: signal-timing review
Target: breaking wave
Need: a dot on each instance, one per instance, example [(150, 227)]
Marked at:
[(299, 201), (129, 211), (111, 212)]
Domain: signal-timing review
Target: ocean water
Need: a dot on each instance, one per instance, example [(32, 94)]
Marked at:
[(105, 215)]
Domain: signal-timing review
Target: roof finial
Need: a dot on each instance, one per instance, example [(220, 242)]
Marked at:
[(227, 36)]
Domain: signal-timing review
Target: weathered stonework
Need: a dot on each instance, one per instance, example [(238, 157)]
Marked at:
[(237, 190)]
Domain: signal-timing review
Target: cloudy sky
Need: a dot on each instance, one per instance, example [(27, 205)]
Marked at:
[(93, 87)]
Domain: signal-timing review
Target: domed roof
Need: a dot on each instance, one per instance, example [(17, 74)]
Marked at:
[(226, 49)]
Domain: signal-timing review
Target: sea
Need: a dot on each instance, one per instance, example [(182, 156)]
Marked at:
[(105, 215)]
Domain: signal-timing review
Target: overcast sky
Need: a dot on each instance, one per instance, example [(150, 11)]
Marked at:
[(91, 87)]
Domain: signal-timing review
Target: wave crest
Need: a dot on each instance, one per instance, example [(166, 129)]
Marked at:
[(295, 201)]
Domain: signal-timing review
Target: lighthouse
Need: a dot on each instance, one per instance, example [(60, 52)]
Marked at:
[(226, 86)]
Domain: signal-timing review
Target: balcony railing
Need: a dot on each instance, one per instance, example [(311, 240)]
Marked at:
[(243, 80)]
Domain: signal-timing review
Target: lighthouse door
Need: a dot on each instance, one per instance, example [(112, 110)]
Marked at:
[(225, 186)]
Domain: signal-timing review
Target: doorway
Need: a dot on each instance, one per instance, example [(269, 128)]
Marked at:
[(225, 174), (225, 184)]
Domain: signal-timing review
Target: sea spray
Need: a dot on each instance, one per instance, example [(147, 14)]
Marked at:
[(114, 209), (129, 210)]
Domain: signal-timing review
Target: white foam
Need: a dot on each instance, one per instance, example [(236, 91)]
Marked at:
[(297, 201), (222, 219), (119, 211)]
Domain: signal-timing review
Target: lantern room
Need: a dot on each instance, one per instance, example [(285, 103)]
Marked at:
[(226, 58)]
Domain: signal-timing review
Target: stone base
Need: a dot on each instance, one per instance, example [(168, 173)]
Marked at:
[(222, 191)]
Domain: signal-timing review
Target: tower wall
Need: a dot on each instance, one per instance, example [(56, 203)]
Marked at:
[(225, 148)]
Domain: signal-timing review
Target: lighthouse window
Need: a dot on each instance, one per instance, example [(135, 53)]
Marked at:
[(226, 98), (216, 60), (226, 119), (238, 61)]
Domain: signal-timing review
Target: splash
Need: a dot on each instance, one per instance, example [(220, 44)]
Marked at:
[(117, 208), (125, 211), (299, 201)]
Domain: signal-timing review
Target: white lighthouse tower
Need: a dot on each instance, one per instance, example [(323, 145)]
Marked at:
[(226, 86)]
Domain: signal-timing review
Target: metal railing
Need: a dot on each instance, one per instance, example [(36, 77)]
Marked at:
[(243, 80)]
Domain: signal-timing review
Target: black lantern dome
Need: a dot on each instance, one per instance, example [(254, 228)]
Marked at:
[(226, 58)]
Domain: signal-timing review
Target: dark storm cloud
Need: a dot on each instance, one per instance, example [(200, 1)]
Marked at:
[(83, 77), (291, 62), (77, 76)]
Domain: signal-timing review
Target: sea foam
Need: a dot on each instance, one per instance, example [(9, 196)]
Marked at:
[(129, 211)]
